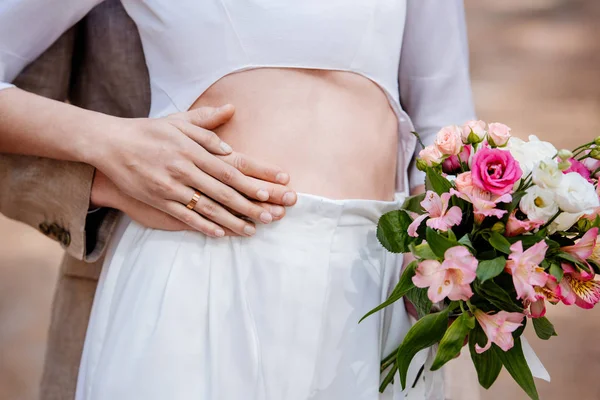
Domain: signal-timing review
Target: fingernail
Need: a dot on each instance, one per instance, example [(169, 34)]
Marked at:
[(282, 177), (226, 148), (289, 198), (266, 217), (219, 232), (249, 230), (277, 210), (262, 195)]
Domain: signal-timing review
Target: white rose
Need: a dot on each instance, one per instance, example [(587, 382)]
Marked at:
[(575, 194), (563, 222), (546, 174), (538, 204), (528, 154)]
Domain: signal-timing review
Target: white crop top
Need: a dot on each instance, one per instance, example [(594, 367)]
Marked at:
[(414, 50)]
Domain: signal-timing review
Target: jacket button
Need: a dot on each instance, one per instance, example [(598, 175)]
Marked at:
[(44, 228), (64, 238)]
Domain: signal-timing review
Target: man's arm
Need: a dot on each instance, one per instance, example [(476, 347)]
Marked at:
[(51, 196)]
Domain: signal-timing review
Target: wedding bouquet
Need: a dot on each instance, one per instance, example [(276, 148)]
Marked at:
[(505, 227)]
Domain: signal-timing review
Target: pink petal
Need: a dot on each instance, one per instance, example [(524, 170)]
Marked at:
[(454, 216), (440, 288), (480, 350), (585, 246), (458, 257), (512, 317), (412, 228), (505, 341), (524, 289), (536, 253), (427, 273), (538, 308), (432, 203), (460, 292)]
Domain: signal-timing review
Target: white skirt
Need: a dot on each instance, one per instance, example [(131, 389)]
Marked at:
[(181, 316)]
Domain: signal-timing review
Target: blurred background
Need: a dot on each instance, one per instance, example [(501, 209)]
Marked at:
[(535, 66)]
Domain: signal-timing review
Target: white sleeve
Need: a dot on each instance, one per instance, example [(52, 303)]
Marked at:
[(435, 87), (28, 27)]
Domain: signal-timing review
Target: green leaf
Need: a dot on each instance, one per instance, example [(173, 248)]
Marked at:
[(392, 231), (413, 203), (425, 333), (418, 297), (516, 198), (436, 182), (466, 241), (556, 271), (493, 293), (514, 362), (543, 328), (489, 269), (423, 251), (499, 242), (453, 340), (438, 243), (487, 364), (403, 286)]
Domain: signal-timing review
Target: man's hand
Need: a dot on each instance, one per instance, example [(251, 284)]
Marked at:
[(106, 194)]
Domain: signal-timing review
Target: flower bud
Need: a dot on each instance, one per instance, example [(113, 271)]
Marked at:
[(595, 153), (597, 141), (564, 165), (498, 227), (421, 164), (564, 154)]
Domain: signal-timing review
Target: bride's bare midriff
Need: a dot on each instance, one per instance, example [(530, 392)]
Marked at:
[(334, 132)]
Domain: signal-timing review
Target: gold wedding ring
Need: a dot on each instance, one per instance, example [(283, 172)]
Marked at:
[(194, 200)]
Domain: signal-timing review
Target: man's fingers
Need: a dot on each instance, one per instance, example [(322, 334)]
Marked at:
[(193, 219)]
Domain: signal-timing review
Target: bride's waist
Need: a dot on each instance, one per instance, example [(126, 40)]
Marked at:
[(337, 160)]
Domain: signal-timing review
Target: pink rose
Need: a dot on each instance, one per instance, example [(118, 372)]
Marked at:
[(431, 155), (477, 127), (580, 168), (448, 140), (495, 170), (451, 165), (499, 133), (464, 183)]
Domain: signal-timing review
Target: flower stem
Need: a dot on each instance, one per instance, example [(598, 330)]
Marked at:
[(547, 224)]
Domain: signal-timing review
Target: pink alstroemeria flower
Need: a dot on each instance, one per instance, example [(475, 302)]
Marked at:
[(525, 270), (584, 248), (579, 287), (440, 217), (498, 328), (515, 226), (551, 292), (451, 278), (484, 203)]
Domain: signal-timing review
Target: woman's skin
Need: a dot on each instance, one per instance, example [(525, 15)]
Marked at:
[(334, 132)]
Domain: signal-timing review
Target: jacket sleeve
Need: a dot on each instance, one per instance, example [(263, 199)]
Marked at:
[(52, 196), (435, 88)]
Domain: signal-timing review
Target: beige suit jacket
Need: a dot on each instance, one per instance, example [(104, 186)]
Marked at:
[(99, 65)]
